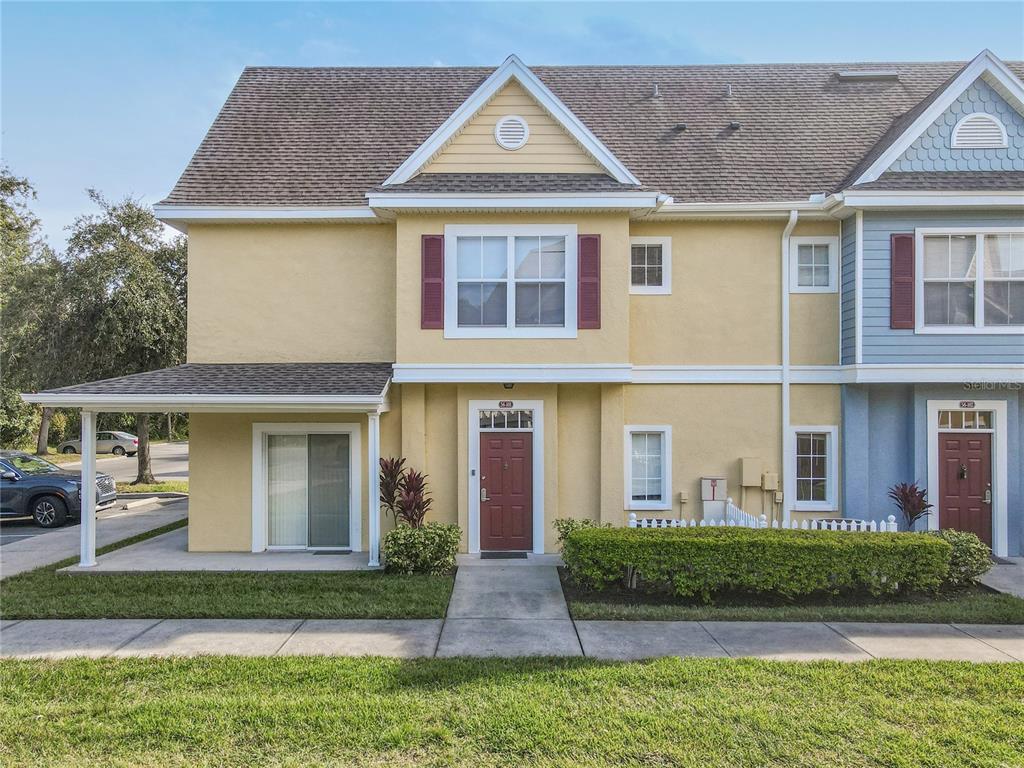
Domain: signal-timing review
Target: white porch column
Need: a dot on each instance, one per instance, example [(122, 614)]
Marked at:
[(373, 486), (88, 490)]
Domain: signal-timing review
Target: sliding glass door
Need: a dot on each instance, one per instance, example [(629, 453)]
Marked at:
[(308, 490)]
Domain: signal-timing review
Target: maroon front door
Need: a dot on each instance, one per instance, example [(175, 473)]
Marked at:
[(965, 483), (506, 490)]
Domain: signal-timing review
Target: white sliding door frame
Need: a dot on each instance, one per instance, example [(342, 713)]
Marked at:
[(260, 431)]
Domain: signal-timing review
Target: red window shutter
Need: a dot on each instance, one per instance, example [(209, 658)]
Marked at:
[(901, 293), (432, 272), (588, 277)]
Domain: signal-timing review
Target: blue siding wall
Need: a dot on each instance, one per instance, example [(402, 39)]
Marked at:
[(881, 344), (885, 441), (933, 151), (848, 290)]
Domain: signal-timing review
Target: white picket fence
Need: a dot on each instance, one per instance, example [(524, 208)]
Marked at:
[(737, 518)]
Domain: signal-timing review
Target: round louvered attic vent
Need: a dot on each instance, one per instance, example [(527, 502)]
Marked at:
[(511, 132), (979, 131)]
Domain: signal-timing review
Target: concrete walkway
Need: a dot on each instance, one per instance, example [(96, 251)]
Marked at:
[(613, 640), (112, 525), (509, 610), (1006, 577)]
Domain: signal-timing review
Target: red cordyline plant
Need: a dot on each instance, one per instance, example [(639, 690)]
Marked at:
[(392, 472), (414, 500), (404, 492), (911, 500)]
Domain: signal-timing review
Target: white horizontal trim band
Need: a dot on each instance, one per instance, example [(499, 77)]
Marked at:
[(628, 200), (510, 373)]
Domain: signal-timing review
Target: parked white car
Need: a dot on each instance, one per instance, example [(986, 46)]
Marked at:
[(117, 443)]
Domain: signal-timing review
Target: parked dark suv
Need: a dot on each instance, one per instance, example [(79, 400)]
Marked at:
[(33, 487)]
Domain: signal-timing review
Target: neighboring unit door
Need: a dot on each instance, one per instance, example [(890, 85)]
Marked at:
[(965, 483), (506, 491), (308, 484)]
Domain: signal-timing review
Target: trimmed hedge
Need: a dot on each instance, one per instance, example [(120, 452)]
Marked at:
[(428, 549), (970, 558), (692, 562)]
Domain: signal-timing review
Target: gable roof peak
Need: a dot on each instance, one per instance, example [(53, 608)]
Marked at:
[(512, 68)]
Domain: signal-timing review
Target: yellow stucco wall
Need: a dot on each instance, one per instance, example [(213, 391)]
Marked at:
[(549, 148), (291, 293), (610, 343)]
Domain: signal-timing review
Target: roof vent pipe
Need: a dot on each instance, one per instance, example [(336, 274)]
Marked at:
[(728, 91), (656, 93)]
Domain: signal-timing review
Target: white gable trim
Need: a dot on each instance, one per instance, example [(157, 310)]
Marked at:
[(511, 68), (985, 63)]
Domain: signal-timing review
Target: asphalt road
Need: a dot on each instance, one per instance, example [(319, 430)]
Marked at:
[(170, 462)]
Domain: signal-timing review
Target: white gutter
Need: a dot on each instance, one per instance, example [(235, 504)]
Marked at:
[(788, 481), (224, 403), (178, 215)]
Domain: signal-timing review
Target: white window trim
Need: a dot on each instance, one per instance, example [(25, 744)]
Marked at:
[(833, 264), (1000, 544), (666, 469), (260, 431), (666, 266), (475, 406), (832, 480), (979, 293), (451, 279), (956, 131)]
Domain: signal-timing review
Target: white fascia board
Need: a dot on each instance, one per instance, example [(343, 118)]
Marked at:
[(768, 210), (509, 373), (934, 374), (170, 214), (894, 199), (985, 63), (192, 403), (511, 68), (604, 200), (707, 374)]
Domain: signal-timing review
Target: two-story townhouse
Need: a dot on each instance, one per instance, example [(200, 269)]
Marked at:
[(593, 291)]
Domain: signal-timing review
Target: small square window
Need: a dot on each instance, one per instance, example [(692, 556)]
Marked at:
[(650, 265), (814, 264)]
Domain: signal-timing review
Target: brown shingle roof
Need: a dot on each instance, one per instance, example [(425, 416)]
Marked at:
[(483, 183), (368, 379), (326, 136), (954, 181)]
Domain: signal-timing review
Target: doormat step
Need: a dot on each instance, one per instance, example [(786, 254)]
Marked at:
[(332, 551), (503, 555)]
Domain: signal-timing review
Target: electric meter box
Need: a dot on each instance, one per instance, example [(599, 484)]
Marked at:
[(750, 471), (713, 489), (770, 481)]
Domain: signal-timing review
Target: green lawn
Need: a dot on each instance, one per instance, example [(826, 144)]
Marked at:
[(46, 594), (541, 712), (976, 605), (169, 486)]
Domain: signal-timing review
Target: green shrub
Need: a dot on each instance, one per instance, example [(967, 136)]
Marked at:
[(428, 549), (566, 525), (969, 559), (691, 562)]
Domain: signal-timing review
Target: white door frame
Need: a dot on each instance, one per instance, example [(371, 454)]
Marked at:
[(260, 431), (475, 406), (1000, 544)]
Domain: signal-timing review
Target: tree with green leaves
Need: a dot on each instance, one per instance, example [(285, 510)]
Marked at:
[(124, 291)]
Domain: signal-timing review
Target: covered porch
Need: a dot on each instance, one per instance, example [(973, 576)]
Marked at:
[(302, 460)]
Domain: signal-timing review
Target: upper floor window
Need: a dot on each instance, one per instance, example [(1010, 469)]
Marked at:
[(650, 265), (515, 281), (813, 264), (979, 130), (970, 281)]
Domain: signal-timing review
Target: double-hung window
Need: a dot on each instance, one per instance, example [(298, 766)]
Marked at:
[(970, 281), (517, 281), (815, 468), (813, 264), (648, 467)]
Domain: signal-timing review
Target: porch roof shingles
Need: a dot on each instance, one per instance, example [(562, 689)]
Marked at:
[(953, 181), (327, 136), (498, 183), (254, 379)]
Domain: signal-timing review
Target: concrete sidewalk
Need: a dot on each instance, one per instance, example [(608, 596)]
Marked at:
[(613, 640), (112, 525)]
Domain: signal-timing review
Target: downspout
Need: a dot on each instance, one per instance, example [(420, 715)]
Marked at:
[(788, 482)]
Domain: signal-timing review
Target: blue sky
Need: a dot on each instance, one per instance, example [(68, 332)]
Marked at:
[(118, 95)]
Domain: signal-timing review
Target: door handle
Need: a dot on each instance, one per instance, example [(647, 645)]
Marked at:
[(988, 496), (483, 494)]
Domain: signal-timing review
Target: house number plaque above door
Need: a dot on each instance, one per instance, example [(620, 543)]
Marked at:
[(504, 403)]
